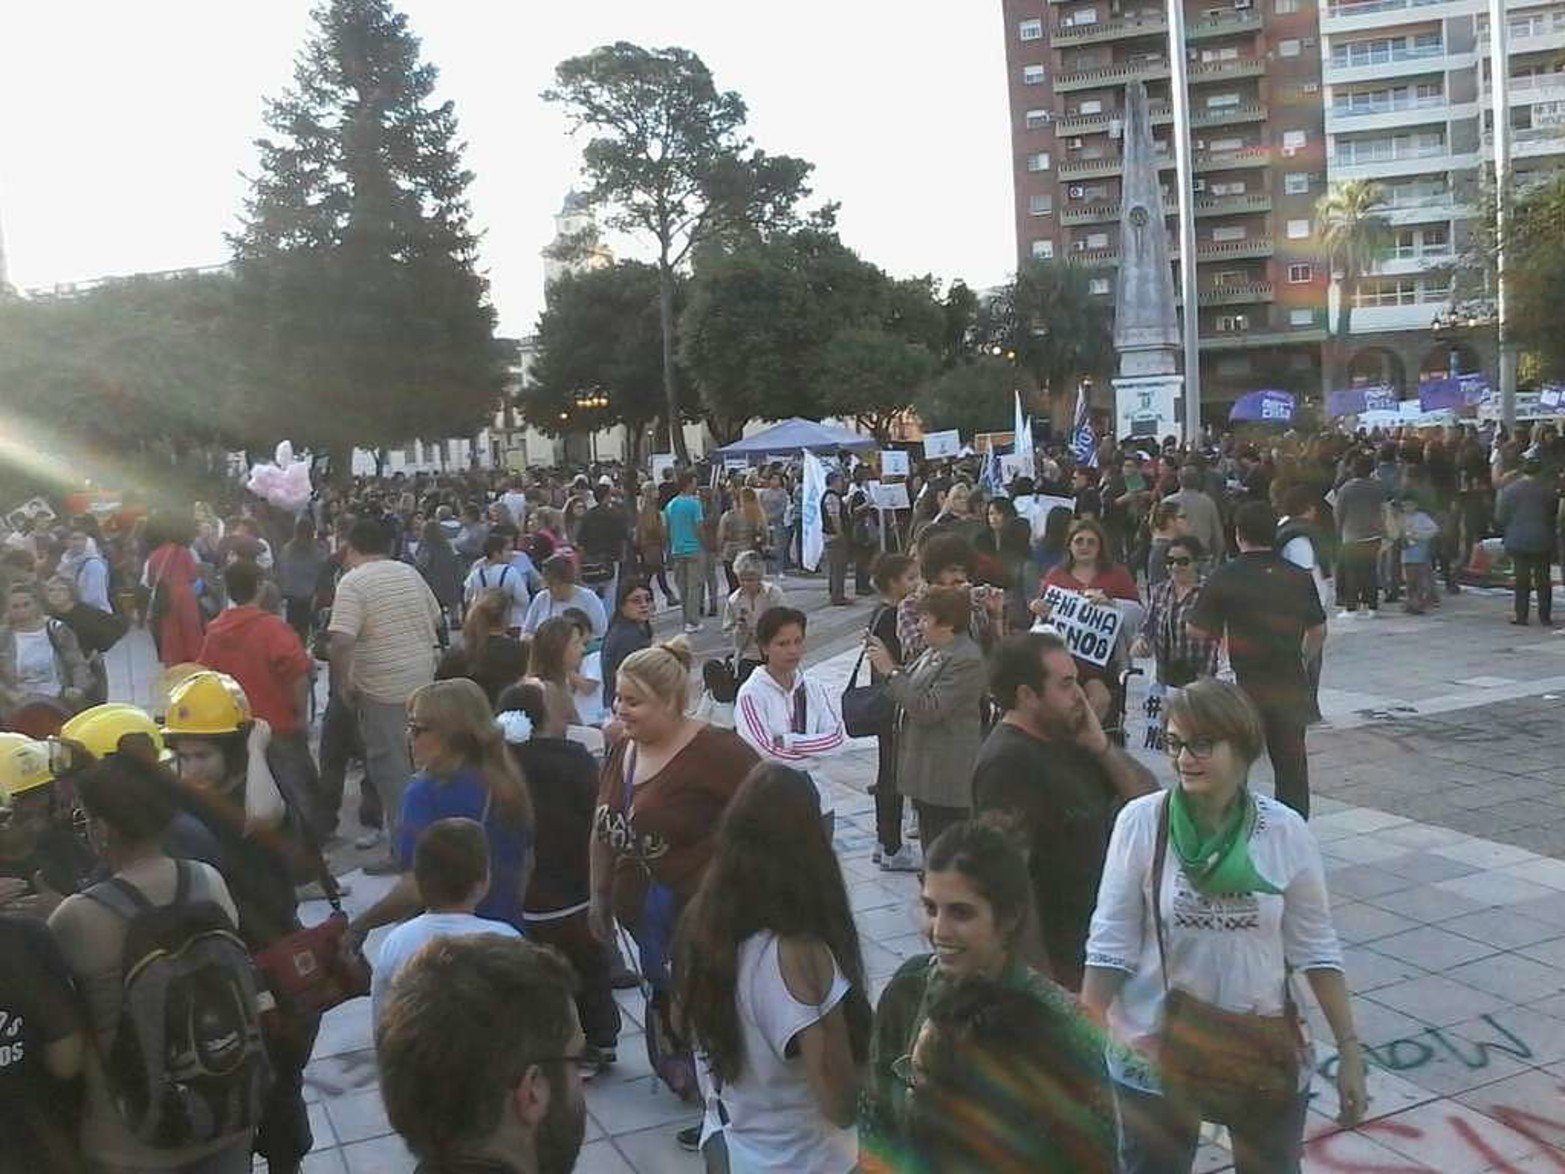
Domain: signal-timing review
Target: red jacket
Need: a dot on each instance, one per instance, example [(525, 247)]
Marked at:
[(262, 653)]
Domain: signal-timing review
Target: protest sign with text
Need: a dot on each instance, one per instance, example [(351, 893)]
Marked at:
[(1090, 631)]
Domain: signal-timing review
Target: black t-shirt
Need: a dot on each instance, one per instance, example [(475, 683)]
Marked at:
[(38, 1006), (1265, 603), (604, 533), (1064, 804), (67, 864), (563, 780)]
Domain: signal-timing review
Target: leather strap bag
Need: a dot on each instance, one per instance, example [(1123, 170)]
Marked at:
[(1226, 1066), (310, 971), (867, 710)]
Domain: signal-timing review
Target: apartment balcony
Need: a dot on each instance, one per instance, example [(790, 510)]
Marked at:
[(1342, 167), (1232, 160), (1092, 168), (1342, 119), (1223, 24), (1430, 210), (1222, 71), (1246, 294), (1237, 340), (1160, 113), (1535, 143), (1359, 15), (1530, 88), (1232, 205), (1118, 74), (1342, 70), (1208, 251), (1155, 24), (1546, 40), (1228, 115)]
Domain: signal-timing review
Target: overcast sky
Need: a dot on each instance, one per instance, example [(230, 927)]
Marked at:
[(126, 129)]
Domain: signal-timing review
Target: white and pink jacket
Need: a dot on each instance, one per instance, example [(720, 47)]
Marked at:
[(767, 716)]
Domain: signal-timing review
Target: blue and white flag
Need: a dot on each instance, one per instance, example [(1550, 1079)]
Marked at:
[(991, 480), (1084, 445), (1023, 447), (812, 542)]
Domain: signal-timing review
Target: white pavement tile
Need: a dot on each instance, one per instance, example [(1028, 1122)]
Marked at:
[(322, 1161), (600, 1157), (1363, 882), (1487, 682), (628, 1106), (1424, 836), (1528, 1035), (1438, 1001), (1368, 970), (1502, 928), (1511, 977), (1341, 1149), (1550, 953), (1495, 888), (1425, 904), (1537, 1092), (1358, 922), (1432, 948), (358, 1116), (1485, 853), (1544, 871), (1368, 849), (382, 1155), (1358, 821), (1426, 1134), (654, 1151)]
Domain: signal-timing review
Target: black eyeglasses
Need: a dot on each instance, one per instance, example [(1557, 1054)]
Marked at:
[(1179, 562), (1198, 747)]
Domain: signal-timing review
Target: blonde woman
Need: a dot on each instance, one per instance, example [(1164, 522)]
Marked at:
[(741, 528), (463, 770)]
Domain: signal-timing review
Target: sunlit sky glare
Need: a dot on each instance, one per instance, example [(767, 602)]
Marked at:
[(126, 129)]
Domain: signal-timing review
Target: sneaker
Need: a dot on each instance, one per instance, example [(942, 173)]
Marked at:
[(689, 1139), (1372, 614), (595, 1061), (692, 629), (1345, 614), (370, 839), (905, 859)]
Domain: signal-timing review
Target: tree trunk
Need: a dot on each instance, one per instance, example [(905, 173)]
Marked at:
[(676, 435)]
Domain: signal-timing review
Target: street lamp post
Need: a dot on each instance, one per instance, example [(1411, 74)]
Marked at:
[(1500, 92), (1179, 87)]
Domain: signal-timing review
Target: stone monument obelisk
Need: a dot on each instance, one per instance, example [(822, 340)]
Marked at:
[(1148, 388)]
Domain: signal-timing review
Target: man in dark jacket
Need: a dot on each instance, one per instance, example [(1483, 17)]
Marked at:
[(1526, 511)]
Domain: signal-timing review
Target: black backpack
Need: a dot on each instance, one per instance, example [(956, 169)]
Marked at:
[(188, 1065)]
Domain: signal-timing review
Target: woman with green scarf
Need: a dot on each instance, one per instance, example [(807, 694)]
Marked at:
[(1241, 907)]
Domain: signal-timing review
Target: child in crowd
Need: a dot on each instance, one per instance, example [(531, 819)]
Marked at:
[(1419, 532), (451, 866)]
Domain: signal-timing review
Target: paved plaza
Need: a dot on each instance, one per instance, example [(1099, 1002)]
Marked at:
[(1442, 822)]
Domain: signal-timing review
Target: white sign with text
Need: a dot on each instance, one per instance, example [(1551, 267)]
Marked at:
[(893, 462), (938, 445), (1090, 631)]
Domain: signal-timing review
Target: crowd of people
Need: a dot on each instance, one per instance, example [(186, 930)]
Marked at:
[(569, 805)]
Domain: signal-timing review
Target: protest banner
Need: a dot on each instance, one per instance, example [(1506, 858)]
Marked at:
[(893, 462), (942, 444), (1090, 631)]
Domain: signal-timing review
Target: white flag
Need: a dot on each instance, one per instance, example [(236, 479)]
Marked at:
[(1023, 445), (812, 543)]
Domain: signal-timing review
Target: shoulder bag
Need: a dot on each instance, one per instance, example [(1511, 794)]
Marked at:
[(310, 971), (866, 709), (1227, 1066)]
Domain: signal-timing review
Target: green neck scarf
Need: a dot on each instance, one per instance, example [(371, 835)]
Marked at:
[(1219, 864)]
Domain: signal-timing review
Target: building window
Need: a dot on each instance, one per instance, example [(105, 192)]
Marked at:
[(1032, 75), (1038, 119), (1232, 323), (1300, 274), (1098, 285), (1091, 106), (1286, 7), (1040, 205), (1298, 230), (1222, 101), (1031, 30), (1228, 232), (1098, 240), (1038, 161), (1293, 141), (1296, 183), (1288, 48), (1043, 250), (1301, 317)]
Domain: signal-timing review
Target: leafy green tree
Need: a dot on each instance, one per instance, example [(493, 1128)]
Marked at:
[(1356, 232), (1048, 321), (601, 332), (971, 397), (136, 382), (356, 259), (668, 157), (870, 375)]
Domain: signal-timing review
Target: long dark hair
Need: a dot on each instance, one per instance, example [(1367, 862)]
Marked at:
[(773, 869)]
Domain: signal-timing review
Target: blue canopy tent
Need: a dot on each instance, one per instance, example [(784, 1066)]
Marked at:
[(794, 436), (1263, 407)]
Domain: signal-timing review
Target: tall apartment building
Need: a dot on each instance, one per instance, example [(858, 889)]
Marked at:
[(1408, 105), (1258, 136)]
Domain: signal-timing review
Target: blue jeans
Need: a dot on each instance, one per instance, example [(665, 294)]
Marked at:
[(1157, 1137)]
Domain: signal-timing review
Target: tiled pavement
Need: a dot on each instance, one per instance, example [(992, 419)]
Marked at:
[(1442, 824)]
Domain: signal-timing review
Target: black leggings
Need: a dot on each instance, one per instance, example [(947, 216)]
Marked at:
[(888, 800)]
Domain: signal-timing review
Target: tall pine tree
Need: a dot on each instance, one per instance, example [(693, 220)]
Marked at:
[(356, 261)]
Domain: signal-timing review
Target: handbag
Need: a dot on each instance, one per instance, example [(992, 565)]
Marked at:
[(867, 710), (310, 971), (1226, 1066)]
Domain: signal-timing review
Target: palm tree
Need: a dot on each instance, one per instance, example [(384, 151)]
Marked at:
[(1356, 232)]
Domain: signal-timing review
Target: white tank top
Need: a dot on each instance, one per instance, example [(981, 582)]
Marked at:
[(773, 1121)]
